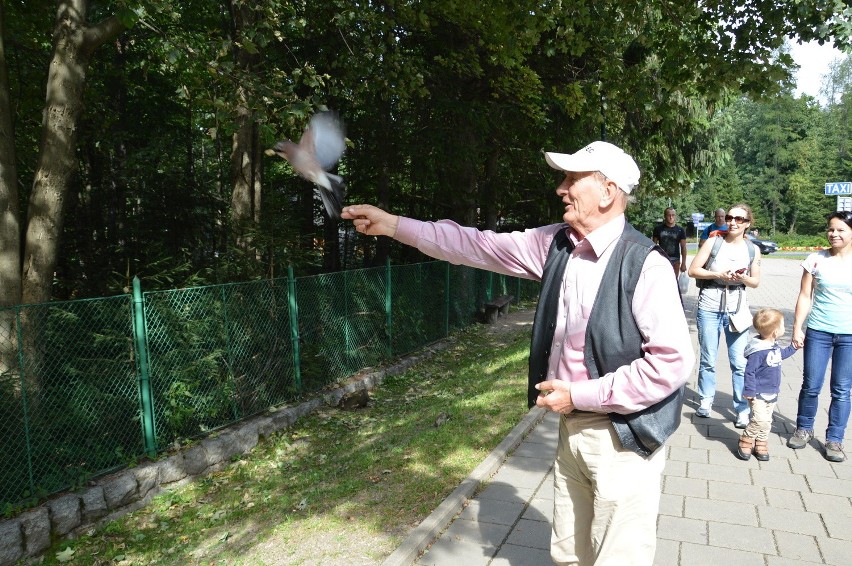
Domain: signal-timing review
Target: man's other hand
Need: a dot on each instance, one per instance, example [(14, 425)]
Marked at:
[(555, 395)]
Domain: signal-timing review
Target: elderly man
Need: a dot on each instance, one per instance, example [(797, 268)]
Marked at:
[(608, 353)]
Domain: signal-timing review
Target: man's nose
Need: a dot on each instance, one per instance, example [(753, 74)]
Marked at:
[(562, 189)]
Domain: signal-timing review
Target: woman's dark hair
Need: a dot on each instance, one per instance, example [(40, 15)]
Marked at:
[(843, 215), (745, 207)]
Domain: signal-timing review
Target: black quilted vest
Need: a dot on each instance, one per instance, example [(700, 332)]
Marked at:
[(612, 337)]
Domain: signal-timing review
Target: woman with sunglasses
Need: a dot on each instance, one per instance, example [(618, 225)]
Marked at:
[(825, 300), (723, 281)]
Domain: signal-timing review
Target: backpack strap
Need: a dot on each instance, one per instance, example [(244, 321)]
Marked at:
[(717, 243), (751, 252)]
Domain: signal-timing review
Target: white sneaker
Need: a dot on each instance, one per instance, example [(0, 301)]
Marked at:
[(704, 409), (742, 420)]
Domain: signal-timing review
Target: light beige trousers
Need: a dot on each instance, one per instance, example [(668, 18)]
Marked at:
[(761, 419), (606, 498)]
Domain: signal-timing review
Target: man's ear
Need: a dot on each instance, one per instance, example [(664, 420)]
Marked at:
[(609, 192)]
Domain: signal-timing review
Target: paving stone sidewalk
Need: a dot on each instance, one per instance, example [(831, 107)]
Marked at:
[(716, 509)]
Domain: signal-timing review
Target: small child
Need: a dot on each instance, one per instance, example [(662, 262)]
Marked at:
[(762, 381)]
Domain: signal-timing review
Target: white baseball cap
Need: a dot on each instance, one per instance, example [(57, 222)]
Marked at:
[(599, 156)]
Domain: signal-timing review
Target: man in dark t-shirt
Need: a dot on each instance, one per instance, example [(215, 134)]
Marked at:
[(672, 238)]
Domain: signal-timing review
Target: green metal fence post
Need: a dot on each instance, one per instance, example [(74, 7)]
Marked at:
[(489, 289), (24, 400), (294, 327), (146, 398), (388, 306)]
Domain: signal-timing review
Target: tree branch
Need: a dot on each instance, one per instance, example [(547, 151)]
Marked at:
[(97, 35)]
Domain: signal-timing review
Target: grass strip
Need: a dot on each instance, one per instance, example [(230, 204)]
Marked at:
[(339, 487)]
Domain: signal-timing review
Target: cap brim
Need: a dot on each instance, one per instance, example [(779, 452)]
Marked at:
[(563, 162)]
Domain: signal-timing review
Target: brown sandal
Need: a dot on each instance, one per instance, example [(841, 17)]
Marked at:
[(761, 450), (745, 447)]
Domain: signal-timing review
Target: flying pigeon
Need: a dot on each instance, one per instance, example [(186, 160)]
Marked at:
[(319, 150)]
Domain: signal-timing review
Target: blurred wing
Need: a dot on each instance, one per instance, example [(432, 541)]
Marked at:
[(326, 132), (332, 198)]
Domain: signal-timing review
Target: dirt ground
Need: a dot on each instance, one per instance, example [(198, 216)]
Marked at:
[(514, 321)]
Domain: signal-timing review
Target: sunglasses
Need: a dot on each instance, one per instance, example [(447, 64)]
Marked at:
[(738, 219)]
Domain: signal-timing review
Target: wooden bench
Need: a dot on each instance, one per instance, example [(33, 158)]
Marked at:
[(496, 307)]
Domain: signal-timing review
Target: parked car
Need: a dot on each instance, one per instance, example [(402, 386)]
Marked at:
[(765, 246)]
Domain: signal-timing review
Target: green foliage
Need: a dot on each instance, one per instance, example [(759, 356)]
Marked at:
[(345, 330), (782, 152), (448, 106), (794, 241), (83, 419), (217, 354)]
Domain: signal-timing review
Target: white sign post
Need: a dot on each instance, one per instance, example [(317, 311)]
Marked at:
[(697, 217), (843, 192)]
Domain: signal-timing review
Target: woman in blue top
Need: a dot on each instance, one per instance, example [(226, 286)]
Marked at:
[(825, 299)]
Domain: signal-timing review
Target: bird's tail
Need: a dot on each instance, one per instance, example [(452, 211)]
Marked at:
[(333, 199)]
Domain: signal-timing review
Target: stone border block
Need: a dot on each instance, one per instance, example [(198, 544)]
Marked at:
[(12, 548), (65, 514), (94, 504), (35, 525)]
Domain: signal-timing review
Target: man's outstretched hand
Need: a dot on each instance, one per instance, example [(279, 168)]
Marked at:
[(370, 220)]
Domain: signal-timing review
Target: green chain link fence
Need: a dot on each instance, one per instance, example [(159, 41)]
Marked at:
[(89, 386)]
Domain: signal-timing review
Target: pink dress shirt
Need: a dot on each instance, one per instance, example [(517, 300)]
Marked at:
[(669, 356)]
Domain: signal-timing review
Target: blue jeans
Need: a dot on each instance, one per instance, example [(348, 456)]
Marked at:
[(819, 348), (711, 324)]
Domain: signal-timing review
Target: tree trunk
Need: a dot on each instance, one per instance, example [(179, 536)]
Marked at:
[(383, 245), (331, 245), (468, 201), (245, 162), (246, 157), (491, 188), (73, 44), (10, 221)]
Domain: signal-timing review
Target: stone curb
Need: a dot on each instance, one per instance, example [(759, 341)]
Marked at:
[(426, 532)]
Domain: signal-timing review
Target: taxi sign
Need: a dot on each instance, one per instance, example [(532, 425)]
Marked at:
[(838, 188)]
